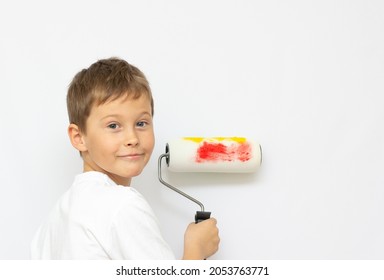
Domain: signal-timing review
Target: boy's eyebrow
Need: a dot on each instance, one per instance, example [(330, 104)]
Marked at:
[(110, 116), (119, 115)]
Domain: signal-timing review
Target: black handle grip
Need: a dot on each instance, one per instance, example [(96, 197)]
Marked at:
[(201, 216)]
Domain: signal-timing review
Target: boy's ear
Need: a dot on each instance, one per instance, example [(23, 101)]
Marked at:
[(76, 138)]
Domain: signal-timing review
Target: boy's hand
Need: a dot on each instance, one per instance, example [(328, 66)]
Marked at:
[(201, 240)]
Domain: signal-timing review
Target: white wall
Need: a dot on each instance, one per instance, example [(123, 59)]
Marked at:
[(304, 78)]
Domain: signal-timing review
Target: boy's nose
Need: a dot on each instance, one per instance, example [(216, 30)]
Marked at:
[(131, 139)]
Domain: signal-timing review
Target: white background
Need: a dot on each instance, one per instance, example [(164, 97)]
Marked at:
[(304, 78)]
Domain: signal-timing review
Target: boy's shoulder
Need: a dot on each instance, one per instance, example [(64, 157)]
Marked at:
[(94, 195), (95, 184), (97, 188)]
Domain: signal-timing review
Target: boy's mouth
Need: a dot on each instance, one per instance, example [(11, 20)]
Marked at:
[(131, 156)]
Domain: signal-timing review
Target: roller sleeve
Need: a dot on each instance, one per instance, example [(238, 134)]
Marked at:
[(217, 154)]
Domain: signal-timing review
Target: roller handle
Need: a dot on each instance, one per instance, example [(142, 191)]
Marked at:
[(201, 216)]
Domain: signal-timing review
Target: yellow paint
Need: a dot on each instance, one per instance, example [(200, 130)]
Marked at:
[(220, 139)]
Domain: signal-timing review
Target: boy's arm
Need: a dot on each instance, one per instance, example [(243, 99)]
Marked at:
[(201, 240)]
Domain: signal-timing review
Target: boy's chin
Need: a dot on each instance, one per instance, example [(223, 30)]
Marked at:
[(130, 174)]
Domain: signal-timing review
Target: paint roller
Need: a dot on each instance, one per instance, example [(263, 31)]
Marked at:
[(216, 154)]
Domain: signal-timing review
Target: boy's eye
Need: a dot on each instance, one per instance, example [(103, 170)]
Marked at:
[(141, 124), (113, 125)]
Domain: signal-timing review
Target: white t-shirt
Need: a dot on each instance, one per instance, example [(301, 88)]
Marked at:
[(98, 219)]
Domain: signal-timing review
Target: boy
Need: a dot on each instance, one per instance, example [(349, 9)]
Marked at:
[(110, 110)]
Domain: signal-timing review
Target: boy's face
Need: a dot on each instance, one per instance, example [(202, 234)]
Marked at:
[(119, 138)]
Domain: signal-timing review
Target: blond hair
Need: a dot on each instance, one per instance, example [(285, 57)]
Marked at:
[(105, 80)]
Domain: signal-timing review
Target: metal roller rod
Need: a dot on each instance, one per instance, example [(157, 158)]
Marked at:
[(174, 188)]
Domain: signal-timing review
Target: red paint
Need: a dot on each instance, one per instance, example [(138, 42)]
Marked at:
[(244, 152), (214, 152)]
